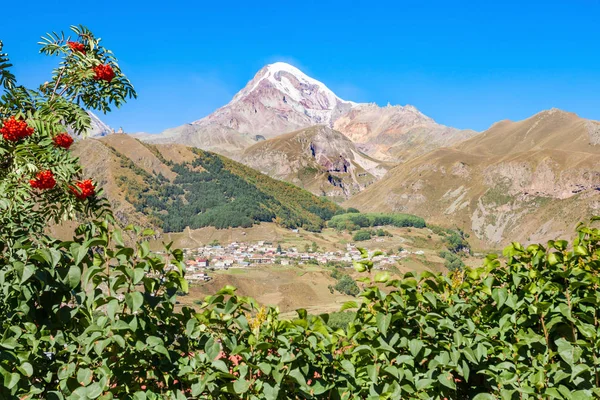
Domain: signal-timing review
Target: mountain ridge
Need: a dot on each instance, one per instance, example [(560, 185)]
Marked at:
[(281, 99), (528, 180)]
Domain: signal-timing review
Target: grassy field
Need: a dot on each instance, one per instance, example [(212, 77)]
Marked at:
[(328, 240), (304, 286)]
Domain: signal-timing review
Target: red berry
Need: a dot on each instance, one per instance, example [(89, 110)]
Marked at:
[(63, 140), (104, 73), (76, 46), (84, 189), (43, 180), (15, 130)]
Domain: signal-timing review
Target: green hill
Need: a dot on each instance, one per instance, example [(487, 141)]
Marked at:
[(175, 187)]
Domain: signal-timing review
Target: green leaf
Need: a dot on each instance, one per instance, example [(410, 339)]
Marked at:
[(265, 367), (84, 376), (28, 271), (348, 367), (484, 396), (348, 305), (241, 386), (359, 267), (212, 348), (134, 300), (74, 276), (554, 258), (382, 277), (11, 380), (94, 390), (139, 395), (111, 308), (298, 376), (271, 392), (78, 252), (421, 384), (415, 346), (26, 369), (383, 322), (580, 250), (566, 351), (138, 275), (447, 380)]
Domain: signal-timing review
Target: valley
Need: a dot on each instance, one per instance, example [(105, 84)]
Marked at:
[(293, 269)]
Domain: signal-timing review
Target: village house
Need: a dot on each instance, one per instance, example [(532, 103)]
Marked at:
[(202, 262), (199, 277), (256, 260)]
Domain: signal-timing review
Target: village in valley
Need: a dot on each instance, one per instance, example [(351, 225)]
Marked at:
[(201, 260)]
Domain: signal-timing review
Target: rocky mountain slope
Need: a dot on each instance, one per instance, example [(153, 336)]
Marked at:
[(282, 99), (318, 159), (396, 133), (172, 187), (527, 181), (279, 99)]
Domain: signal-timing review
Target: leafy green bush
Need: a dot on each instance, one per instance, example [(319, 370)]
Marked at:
[(361, 236), (347, 285), (456, 239), (452, 261)]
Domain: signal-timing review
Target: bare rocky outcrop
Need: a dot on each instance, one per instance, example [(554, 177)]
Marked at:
[(396, 133), (319, 159), (593, 130)]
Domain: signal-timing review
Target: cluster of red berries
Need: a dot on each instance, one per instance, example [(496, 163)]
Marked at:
[(84, 189), (15, 130), (104, 73), (63, 140), (76, 46), (43, 180)]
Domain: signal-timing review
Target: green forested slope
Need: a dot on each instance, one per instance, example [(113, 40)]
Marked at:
[(205, 189)]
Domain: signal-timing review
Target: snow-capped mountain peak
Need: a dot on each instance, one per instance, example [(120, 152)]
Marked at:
[(98, 128), (279, 99), (294, 83)]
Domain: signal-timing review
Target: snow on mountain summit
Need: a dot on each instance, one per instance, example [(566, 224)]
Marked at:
[(294, 83), (279, 99)]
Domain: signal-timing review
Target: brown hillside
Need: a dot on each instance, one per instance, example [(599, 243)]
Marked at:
[(318, 159), (529, 180)]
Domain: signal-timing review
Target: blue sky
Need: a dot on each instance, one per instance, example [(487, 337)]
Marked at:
[(464, 63)]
